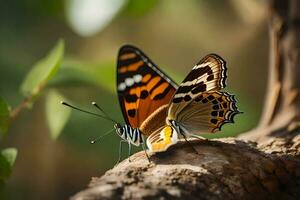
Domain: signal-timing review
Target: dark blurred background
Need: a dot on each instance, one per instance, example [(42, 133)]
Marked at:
[(174, 34)]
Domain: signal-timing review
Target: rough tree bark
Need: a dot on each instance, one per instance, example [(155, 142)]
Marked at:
[(267, 167)]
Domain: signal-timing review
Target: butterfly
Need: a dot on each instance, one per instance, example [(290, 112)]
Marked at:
[(144, 93), (154, 106)]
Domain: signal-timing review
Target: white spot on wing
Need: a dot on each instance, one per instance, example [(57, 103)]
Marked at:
[(129, 82), (121, 86), (137, 78)]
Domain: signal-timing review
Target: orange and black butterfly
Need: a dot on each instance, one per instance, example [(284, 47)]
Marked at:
[(154, 106), (144, 93)]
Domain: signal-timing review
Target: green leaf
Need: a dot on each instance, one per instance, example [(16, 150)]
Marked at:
[(43, 71), (57, 115), (7, 160), (4, 117)]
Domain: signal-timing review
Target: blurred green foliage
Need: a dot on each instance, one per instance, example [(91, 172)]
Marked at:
[(31, 87)]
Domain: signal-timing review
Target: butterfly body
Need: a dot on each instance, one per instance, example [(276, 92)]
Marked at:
[(129, 134)]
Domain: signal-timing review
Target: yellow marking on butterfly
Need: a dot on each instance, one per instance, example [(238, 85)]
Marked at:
[(127, 56), (166, 135)]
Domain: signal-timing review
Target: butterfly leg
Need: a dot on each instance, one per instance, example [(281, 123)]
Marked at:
[(144, 148), (198, 137), (191, 145), (129, 151), (120, 151)]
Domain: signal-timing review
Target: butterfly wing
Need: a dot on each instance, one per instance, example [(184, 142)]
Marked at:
[(142, 87), (208, 113), (198, 106), (209, 74), (162, 139)]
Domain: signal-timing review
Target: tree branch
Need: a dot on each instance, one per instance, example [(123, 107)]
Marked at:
[(226, 169)]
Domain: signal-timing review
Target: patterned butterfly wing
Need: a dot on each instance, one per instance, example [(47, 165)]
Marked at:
[(198, 106), (208, 113), (142, 87), (209, 74), (162, 139)]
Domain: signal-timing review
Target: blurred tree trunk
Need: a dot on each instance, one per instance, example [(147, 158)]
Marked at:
[(229, 168), (281, 116)]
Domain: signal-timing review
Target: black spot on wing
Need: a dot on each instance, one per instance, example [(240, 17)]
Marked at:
[(215, 101), (131, 112), (210, 77), (130, 98), (196, 73), (187, 98), (177, 99), (221, 113), (195, 89), (215, 107), (201, 87), (184, 89), (214, 121), (198, 98), (204, 101), (144, 94), (210, 97), (214, 113)]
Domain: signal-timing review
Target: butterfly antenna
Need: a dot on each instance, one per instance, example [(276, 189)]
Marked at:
[(99, 108), (91, 113), (99, 138)]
